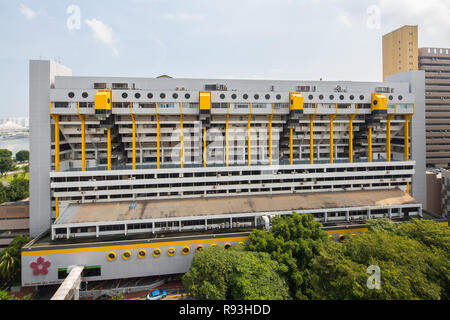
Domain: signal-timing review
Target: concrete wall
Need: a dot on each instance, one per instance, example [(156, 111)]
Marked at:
[(416, 80), (42, 75)]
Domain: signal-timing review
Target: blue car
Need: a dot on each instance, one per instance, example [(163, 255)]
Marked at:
[(157, 294)]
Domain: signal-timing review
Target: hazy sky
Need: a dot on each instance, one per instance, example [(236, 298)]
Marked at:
[(257, 39)]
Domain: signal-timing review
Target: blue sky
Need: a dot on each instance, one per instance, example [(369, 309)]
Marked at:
[(255, 39)]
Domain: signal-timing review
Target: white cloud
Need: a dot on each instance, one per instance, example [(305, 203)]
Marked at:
[(27, 12), (181, 16), (432, 16), (103, 33), (344, 19)]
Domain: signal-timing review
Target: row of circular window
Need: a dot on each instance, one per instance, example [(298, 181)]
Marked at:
[(157, 252), (162, 95)]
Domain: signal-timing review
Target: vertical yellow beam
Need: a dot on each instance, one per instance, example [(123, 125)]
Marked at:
[(83, 143), (181, 135), (226, 134), (158, 142), (248, 138), (270, 134), (388, 137), (56, 118), (134, 136), (406, 134), (56, 207), (291, 153), (204, 147), (350, 137), (109, 149), (332, 116), (311, 138), (370, 145)]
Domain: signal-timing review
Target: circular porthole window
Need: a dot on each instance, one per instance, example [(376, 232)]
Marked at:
[(400, 97), (126, 255), (256, 96), (341, 97), (71, 94), (222, 96), (185, 250), (391, 97), (199, 248), (142, 253), (171, 251), (137, 95), (187, 95), (341, 238), (175, 95), (278, 96), (149, 95), (124, 95), (162, 95), (331, 97), (245, 96), (352, 97), (111, 256), (267, 96), (213, 245), (321, 97), (361, 97), (375, 102), (227, 246), (84, 95), (233, 96), (157, 252), (310, 97)]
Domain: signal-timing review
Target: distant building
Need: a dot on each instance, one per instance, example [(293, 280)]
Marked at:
[(434, 192), (14, 221), (446, 193), (400, 51), (436, 64)]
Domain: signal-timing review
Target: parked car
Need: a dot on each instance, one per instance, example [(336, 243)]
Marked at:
[(157, 294)]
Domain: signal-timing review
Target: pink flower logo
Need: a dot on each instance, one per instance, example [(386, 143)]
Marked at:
[(40, 266)]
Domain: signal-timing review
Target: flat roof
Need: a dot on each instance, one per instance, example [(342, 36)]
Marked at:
[(161, 209)]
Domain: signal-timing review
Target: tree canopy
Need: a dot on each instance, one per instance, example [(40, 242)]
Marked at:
[(10, 259), (220, 274), (22, 155)]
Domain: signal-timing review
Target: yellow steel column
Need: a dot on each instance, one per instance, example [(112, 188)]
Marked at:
[(370, 144), (270, 134), (158, 146), (83, 138), (56, 207), (181, 135), (388, 137), (332, 116), (291, 155), (311, 138), (56, 118), (226, 134), (109, 149), (248, 138), (350, 137), (134, 136), (406, 134), (204, 147)]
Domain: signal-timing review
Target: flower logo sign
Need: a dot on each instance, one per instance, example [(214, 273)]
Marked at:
[(40, 266)]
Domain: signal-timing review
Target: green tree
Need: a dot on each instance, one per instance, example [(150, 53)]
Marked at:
[(18, 189), (10, 259), (293, 242), (118, 296), (6, 165), (5, 153), (22, 155), (409, 270), (219, 274), (4, 295)]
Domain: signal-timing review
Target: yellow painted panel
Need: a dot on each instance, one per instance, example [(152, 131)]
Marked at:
[(295, 101), (205, 100), (379, 102), (103, 100)]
